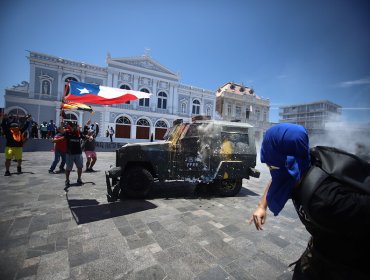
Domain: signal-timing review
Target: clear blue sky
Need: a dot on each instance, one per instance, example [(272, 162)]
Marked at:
[(289, 51)]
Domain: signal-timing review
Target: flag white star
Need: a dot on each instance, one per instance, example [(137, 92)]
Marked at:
[(83, 91)]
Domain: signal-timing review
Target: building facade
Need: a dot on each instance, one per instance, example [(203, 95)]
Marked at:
[(41, 96), (313, 116), (235, 102)]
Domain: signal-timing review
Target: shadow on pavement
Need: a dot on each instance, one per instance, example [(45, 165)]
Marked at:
[(181, 189), (90, 210)]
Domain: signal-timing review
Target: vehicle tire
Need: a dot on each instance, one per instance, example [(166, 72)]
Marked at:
[(229, 187), (136, 182)]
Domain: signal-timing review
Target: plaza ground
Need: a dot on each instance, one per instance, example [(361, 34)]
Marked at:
[(47, 233)]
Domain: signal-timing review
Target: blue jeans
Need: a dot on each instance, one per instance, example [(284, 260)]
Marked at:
[(58, 155)]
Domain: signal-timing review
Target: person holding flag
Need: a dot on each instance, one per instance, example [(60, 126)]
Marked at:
[(74, 152)]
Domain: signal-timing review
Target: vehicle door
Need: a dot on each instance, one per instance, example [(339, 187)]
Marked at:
[(191, 156)]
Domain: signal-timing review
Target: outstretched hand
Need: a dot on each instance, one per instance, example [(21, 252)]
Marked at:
[(258, 217)]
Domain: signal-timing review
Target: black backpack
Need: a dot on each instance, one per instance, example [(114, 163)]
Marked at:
[(342, 166)]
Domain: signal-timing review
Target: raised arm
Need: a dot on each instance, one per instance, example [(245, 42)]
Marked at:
[(259, 215)]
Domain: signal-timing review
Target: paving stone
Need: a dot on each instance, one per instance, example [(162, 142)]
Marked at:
[(126, 230), (140, 259), (154, 272), (20, 226), (222, 251), (278, 240), (5, 227), (238, 272), (165, 239), (231, 230), (178, 270), (155, 226), (214, 273), (13, 241), (82, 258), (40, 250), (195, 263), (28, 271), (54, 266), (139, 240)]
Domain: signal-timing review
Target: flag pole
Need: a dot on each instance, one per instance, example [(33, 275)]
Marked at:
[(66, 89)]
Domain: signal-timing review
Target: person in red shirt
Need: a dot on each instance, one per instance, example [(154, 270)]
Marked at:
[(60, 150)]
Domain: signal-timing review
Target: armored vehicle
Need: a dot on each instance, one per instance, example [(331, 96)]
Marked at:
[(217, 153)]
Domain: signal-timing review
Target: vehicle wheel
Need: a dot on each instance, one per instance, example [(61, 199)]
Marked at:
[(136, 182), (229, 187)]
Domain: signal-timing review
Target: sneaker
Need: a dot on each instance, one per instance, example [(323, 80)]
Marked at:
[(91, 170), (7, 173), (19, 169), (87, 170), (51, 171), (79, 181)]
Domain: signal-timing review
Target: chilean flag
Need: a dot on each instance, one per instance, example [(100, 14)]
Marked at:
[(95, 94)]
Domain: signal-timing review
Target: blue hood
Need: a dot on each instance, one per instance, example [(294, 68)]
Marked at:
[(285, 146)]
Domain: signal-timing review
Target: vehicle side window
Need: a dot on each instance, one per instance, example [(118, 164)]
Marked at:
[(235, 137)]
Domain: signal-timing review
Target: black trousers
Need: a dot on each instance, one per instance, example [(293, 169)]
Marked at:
[(312, 265)]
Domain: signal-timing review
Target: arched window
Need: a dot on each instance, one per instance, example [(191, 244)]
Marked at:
[(123, 120), (127, 88), (123, 127), (160, 129), (19, 112), (144, 101), (162, 100), (142, 129), (142, 122), (70, 117), (196, 107)]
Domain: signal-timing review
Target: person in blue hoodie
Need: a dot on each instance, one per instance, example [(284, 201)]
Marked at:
[(339, 221)]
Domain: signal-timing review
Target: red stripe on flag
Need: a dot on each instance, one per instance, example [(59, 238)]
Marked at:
[(95, 99)]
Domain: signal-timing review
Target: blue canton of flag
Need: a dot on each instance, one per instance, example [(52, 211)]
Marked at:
[(83, 88)]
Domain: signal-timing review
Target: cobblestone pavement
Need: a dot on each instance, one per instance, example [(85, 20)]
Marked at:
[(46, 233)]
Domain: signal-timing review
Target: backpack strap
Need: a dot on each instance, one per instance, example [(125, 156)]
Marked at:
[(313, 179)]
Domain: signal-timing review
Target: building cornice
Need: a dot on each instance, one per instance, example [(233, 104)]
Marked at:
[(61, 62)]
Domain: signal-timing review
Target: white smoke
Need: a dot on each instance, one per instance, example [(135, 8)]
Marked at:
[(342, 135)]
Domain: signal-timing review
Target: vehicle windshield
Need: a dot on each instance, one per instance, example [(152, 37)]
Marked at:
[(171, 133)]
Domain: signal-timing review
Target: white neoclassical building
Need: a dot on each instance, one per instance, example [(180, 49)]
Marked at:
[(41, 95)]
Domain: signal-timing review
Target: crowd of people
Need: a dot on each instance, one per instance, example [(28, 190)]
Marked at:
[(44, 131), (69, 143)]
